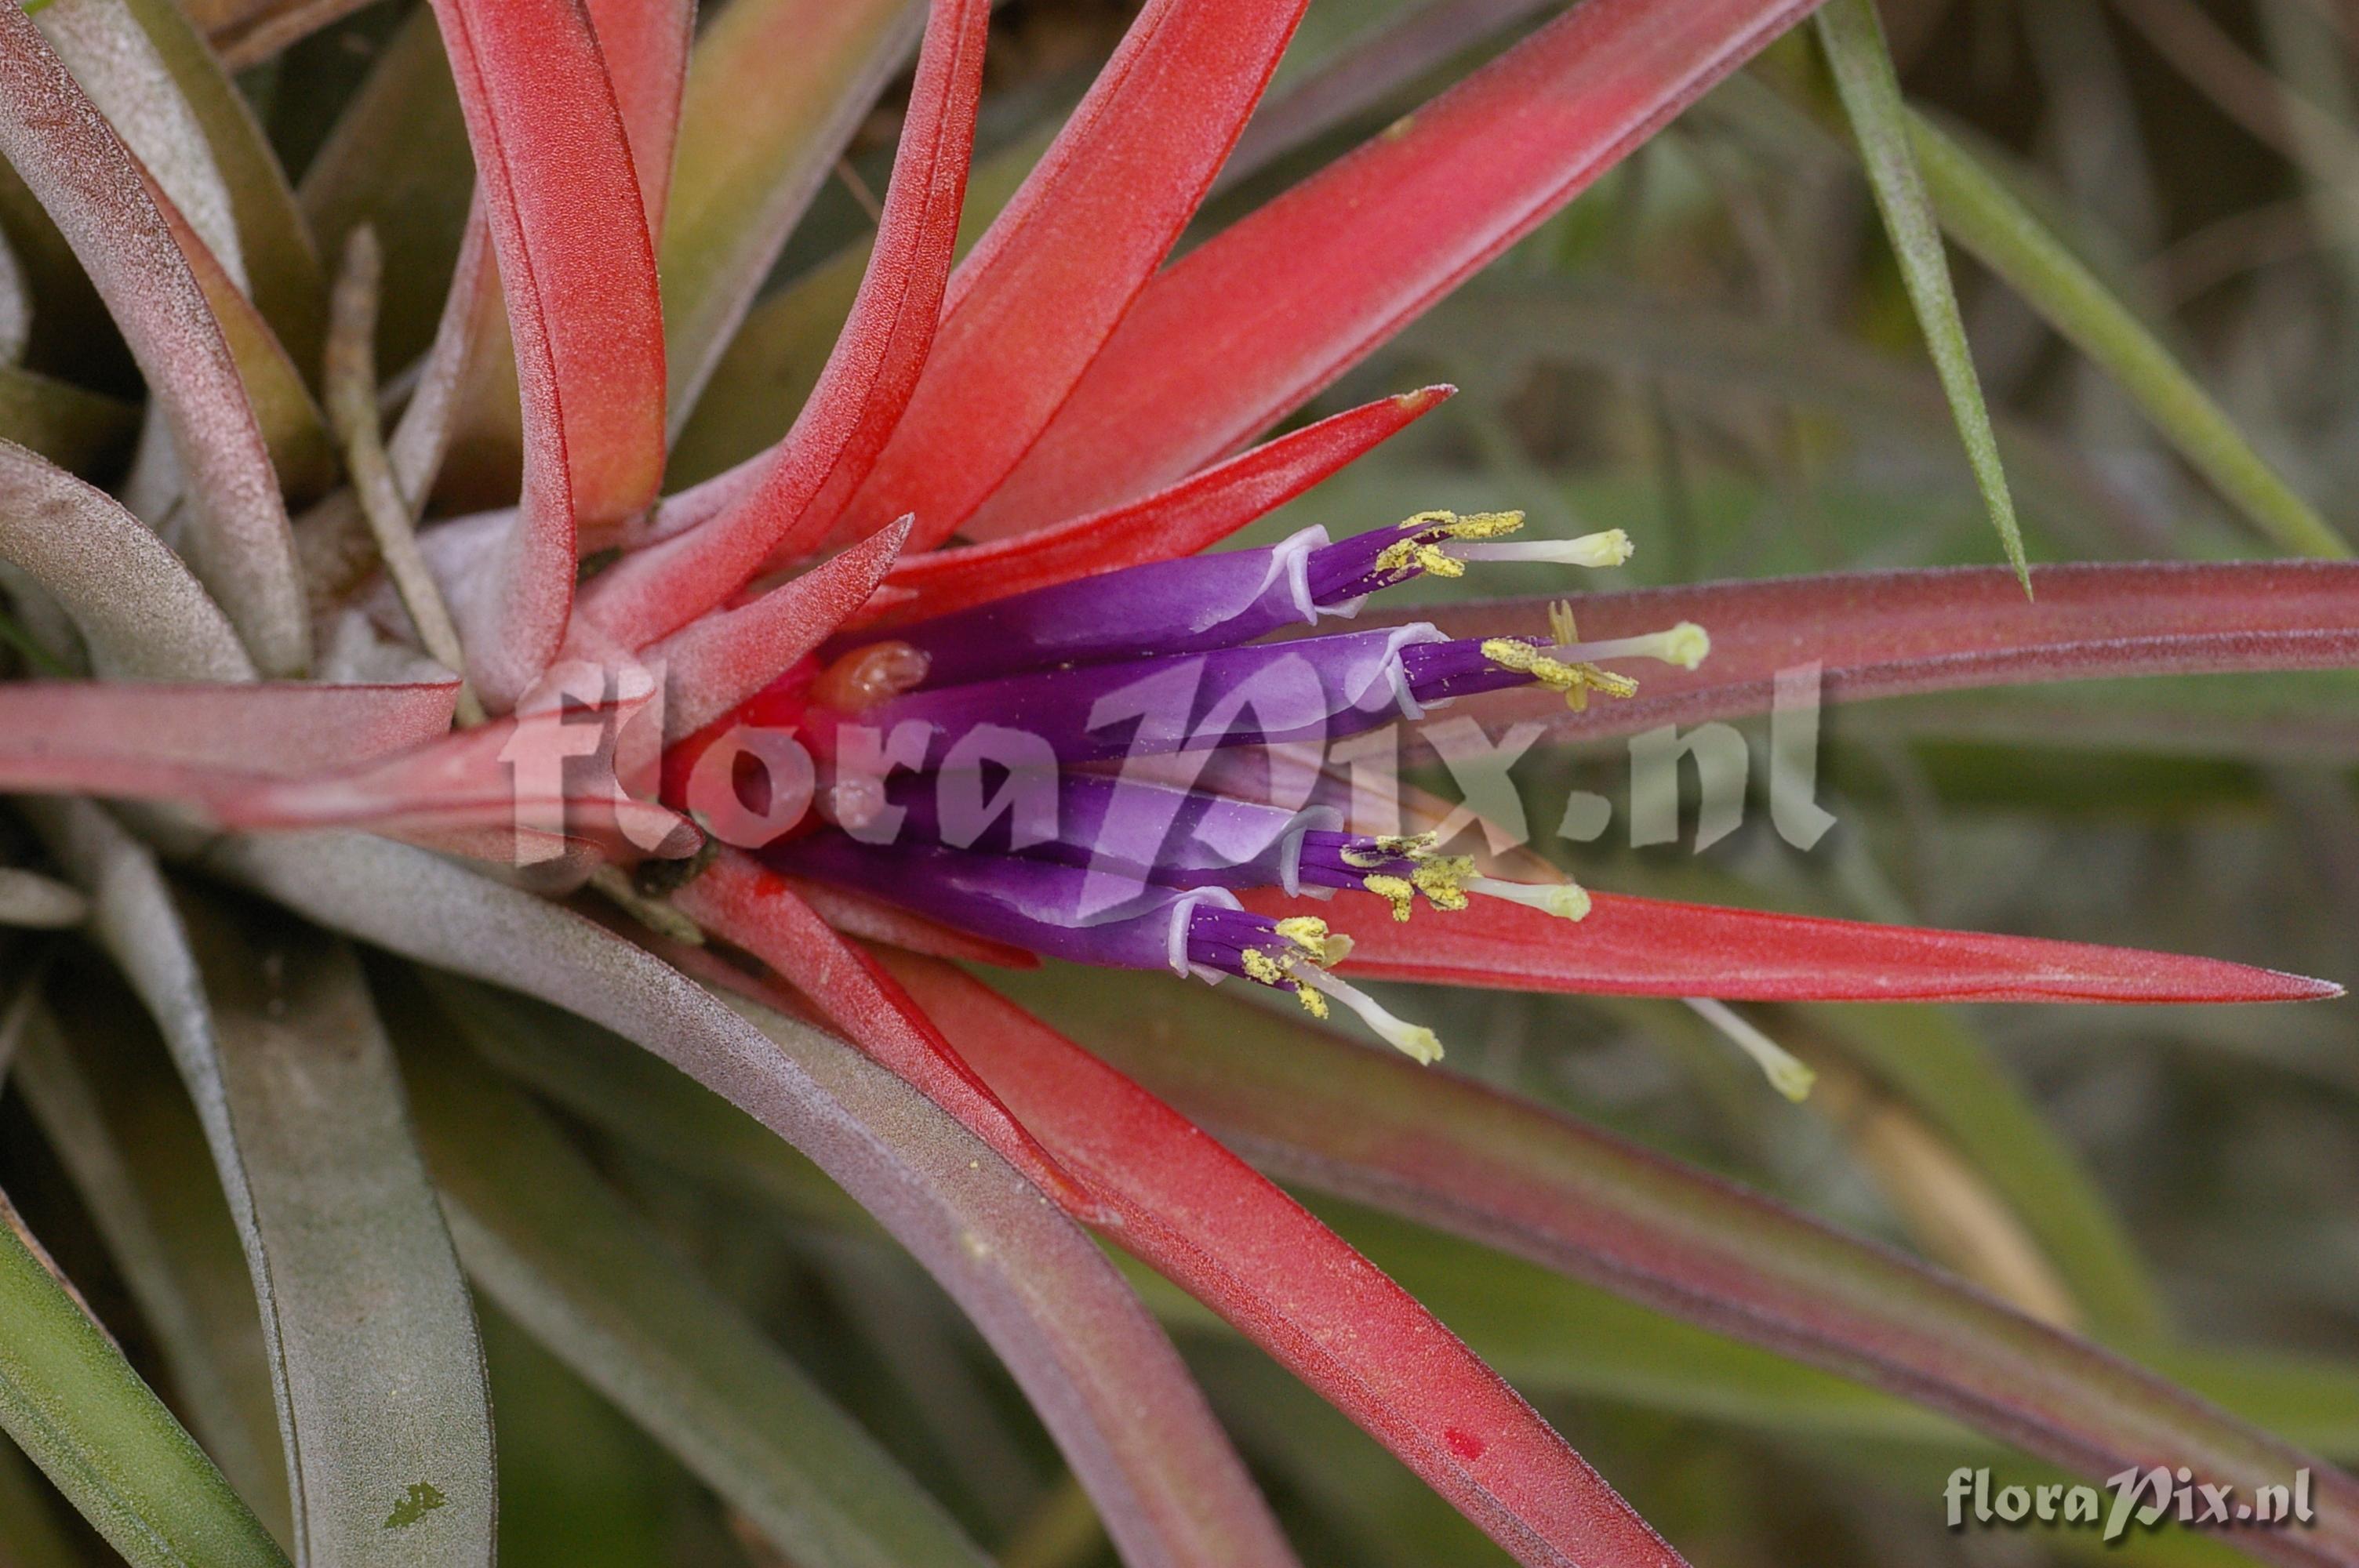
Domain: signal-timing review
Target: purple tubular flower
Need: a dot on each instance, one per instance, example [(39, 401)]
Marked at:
[(1312, 688), (1309, 689), (1192, 605), (1204, 603), (1063, 910)]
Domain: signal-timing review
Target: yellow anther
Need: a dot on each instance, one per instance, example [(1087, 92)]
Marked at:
[(1561, 623), (1576, 681), (1306, 932), (1396, 891), (1390, 847), (1260, 966), (1441, 880), (1312, 1002), (1419, 547)]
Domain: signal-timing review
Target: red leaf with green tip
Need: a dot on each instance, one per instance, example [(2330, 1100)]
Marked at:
[(1642, 946), (64, 150), (569, 230), (780, 505), (1037, 299), (1192, 515), (1890, 634), (1310, 1105), (1255, 320), (1202, 1217)]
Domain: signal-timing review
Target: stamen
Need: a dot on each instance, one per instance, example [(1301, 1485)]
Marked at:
[(1787, 1075), (1610, 549), (1442, 880), (1413, 1040), (1399, 892), (1685, 644), (1565, 901), (1422, 547)]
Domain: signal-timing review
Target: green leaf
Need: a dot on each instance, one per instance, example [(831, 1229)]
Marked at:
[(366, 1318), (589, 1276), (1984, 216), (773, 358), (75, 1406), (98, 1082), (1854, 39), (75, 430), (774, 90), (29, 1535)]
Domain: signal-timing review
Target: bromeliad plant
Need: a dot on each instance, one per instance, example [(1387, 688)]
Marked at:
[(519, 747)]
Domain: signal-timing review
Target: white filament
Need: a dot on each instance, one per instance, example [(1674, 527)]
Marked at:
[(1786, 1073), (1565, 901), (1412, 1040), (1610, 549)]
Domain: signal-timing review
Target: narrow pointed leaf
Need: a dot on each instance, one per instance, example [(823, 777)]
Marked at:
[(140, 612), (563, 1254), (752, 908), (1255, 320), (102, 1437), (122, 1126), (240, 543), (301, 451), (1105, 1379), (1854, 39), (1200, 1215), (1983, 216), (1192, 515), (774, 90), (724, 657), (645, 43), (1046, 286), (790, 492), (1639, 947), (1311, 1107), (372, 1347), (1890, 634), (201, 742), (282, 264), (569, 227)]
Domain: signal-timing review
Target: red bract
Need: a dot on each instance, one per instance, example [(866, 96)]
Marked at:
[(1080, 418), (577, 269)]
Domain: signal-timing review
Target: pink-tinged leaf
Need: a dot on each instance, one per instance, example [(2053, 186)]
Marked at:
[(1105, 1380), (719, 660), (140, 613), (645, 43), (201, 744), (1202, 1217), (301, 451), (873, 920), (577, 269), (1255, 320), (867, 383), (1891, 634), (1643, 946), (471, 320), (1311, 1107), (1192, 515), (747, 905), (1036, 300), (239, 541), (559, 771)]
